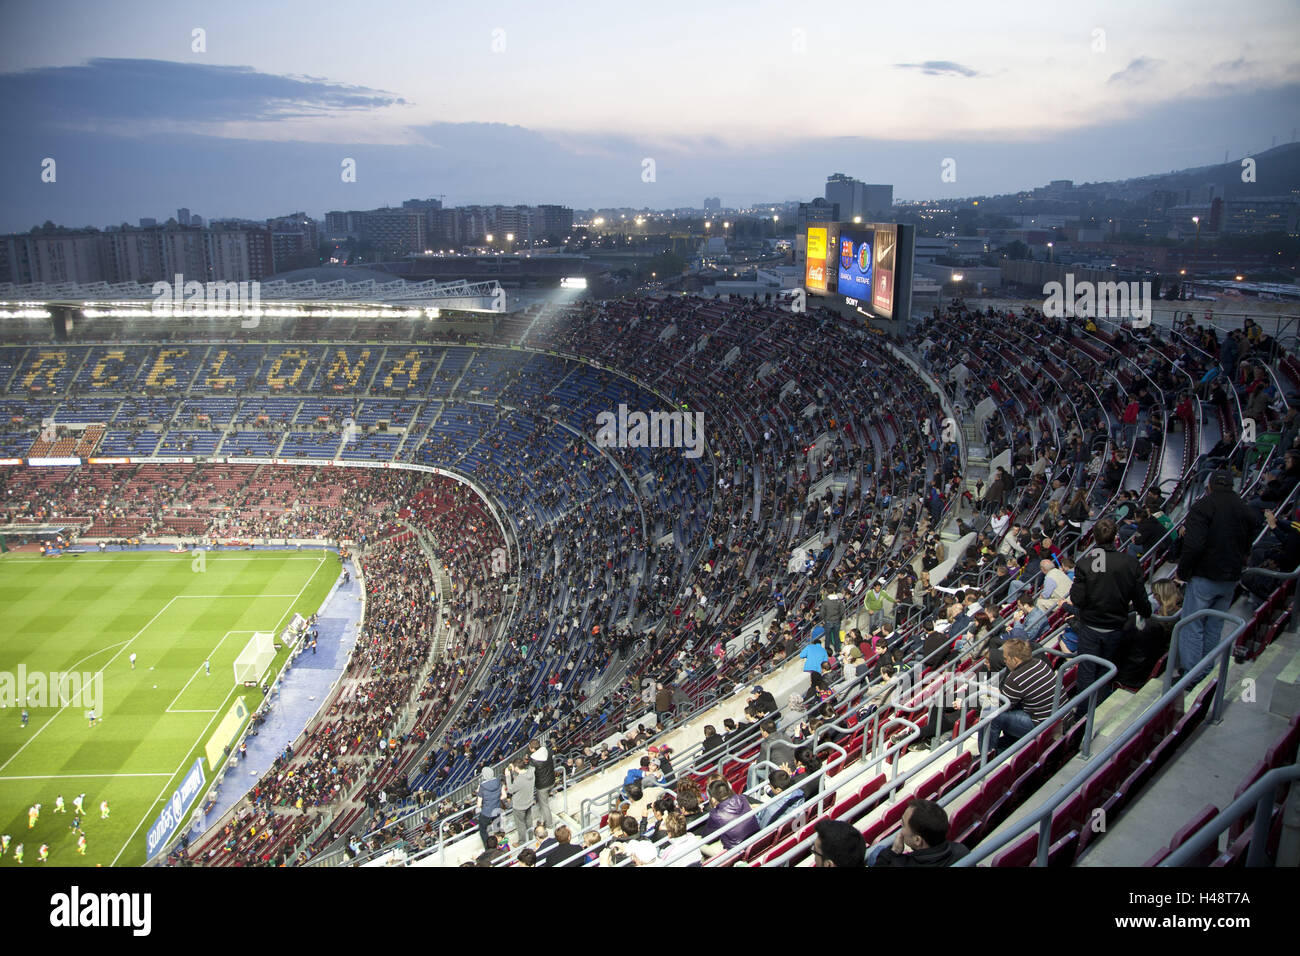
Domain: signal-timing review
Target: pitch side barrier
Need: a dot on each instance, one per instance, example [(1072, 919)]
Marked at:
[(1042, 817), (227, 817), (1261, 796)]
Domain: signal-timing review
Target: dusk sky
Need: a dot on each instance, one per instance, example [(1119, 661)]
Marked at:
[(563, 101)]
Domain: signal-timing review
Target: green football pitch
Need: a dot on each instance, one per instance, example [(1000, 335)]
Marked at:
[(88, 613)]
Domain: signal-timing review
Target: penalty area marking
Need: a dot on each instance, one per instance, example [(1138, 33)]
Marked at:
[(203, 733), (170, 706)]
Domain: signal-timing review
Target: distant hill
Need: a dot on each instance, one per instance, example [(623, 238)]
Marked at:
[(1277, 172)]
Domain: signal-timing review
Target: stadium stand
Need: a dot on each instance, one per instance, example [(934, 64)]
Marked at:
[(834, 457)]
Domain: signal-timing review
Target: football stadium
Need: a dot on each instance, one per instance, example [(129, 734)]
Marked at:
[(466, 589), (958, 532)]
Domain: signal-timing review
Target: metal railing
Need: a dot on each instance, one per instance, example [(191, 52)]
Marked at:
[(984, 728), (1042, 817), (1261, 796)]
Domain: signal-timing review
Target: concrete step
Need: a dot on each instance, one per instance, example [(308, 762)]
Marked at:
[(1211, 764)]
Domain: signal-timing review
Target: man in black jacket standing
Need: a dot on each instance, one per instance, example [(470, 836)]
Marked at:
[(832, 611), (1107, 585), (543, 779), (1217, 537)]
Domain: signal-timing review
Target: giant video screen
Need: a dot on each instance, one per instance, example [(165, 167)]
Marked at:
[(856, 261)]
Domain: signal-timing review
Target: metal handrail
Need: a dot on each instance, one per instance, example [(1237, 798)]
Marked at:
[(984, 725), (1043, 815), (1283, 576), (1261, 795), (895, 748)]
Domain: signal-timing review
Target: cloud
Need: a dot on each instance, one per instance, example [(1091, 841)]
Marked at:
[(1138, 71), (939, 68), (132, 92)]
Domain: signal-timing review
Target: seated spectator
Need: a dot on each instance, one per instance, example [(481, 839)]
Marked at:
[(1029, 688), (1141, 647), (728, 807), (1056, 587), (688, 801), (854, 664), (921, 841), (776, 747), (1011, 543), (807, 766), (590, 840), (628, 831), (838, 844), (1028, 620), (643, 853), (663, 805), (562, 852), (639, 774), (759, 703), (491, 851), (783, 796), (679, 839), (637, 804), (713, 743)]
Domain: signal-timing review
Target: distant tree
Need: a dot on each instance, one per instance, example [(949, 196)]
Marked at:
[(1016, 250)]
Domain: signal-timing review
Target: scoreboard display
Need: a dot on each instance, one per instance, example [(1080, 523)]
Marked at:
[(868, 265)]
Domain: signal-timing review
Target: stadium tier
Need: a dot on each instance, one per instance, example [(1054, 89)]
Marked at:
[(615, 598)]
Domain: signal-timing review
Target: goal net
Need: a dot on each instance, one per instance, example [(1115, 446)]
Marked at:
[(255, 658)]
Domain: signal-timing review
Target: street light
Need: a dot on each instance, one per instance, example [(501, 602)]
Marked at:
[(1196, 244), (1049, 252)]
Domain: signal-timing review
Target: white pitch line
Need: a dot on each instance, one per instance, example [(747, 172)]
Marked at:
[(124, 646), (212, 597), (169, 781), (205, 727), (196, 674), (88, 776)]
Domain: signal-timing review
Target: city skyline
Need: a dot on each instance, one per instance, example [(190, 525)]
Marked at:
[(518, 106)]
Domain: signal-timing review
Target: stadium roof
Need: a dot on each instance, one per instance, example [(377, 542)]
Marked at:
[(384, 289)]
